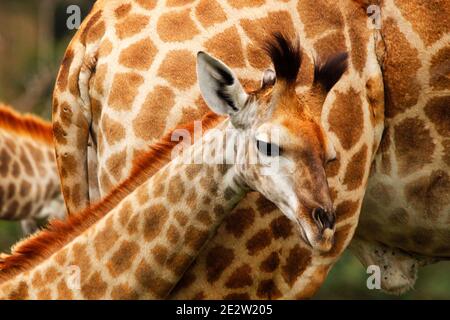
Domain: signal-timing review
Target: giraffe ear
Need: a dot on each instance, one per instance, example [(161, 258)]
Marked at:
[(219, 86), (329, 72)]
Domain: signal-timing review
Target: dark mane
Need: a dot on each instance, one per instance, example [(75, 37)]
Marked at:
[(25, 124), (329, 72), (286, 57)]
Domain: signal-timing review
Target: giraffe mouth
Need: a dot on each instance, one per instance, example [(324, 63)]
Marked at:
[(321, 241)]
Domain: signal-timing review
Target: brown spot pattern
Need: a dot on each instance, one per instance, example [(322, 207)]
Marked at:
[(331, 43), (152, 282), (401, 85), (356, 169), (281, 227), (177, 20), (195, 238), (209, 12), (115, 164), (227, 47), (348, 129), (63, 76), (267, 289), (428, 18), (20, 292), (218, 259), (176, 189), (5, 159), (139, 55), (131, 25), (64, 293), (414, 145), (95, 287), (239, 221), (155, 218), (240, 278), (105, 239), (124, 292), (264, 206), (319, 16), (438, 111), (122, 259), (150, 121), (147, 4), (346, 209), (296, 263), (259, 241), (124, 90), (239, 4), (122, 10), (271, 263), (440, 69), (257, 29), (178, 67), (359, 37)]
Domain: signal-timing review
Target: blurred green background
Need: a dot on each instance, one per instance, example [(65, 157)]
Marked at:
[(33, 38)]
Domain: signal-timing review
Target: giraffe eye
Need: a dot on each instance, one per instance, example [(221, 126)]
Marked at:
[(268, 149)]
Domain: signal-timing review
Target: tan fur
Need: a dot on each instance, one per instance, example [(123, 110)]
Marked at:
[(26, 124), (404, 223)]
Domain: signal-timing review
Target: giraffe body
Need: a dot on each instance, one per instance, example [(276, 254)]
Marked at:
[(405, 217), (135, 83), (29, 184)]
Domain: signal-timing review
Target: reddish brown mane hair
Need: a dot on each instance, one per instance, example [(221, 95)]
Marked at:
[(32, 251), (25, 124)]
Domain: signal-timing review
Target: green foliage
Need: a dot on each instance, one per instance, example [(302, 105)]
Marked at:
[(10, 233)]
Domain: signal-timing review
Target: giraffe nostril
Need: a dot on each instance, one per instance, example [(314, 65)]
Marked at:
[(323, 218)]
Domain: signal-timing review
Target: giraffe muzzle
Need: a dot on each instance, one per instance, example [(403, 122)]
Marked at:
[(324, 218), (325, 221)]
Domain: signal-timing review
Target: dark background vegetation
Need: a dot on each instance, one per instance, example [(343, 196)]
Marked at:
[(33, 38)]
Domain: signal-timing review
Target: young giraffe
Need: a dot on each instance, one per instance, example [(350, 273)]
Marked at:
[(405, 218), (143, 246), (127, 77), (29, 180)]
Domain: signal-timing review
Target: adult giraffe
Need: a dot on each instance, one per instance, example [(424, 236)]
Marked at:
[(29, 181), (232, 31), (124, 84), (405, 220)]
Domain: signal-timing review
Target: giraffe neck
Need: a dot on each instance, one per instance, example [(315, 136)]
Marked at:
[(160, 228), (196, 199), (29, 187)]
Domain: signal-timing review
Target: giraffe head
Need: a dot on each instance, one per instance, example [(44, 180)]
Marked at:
[(286, 148)]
